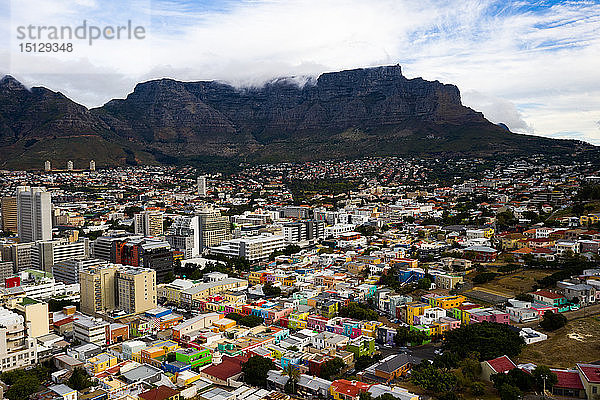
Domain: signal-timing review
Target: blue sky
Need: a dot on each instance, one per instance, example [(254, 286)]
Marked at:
[(534, 65)]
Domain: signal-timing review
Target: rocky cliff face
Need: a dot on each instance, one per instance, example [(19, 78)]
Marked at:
[(372, 111), (363, 99)]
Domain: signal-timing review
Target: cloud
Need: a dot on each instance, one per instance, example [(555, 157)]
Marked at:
[(497, 110), (531, 65)]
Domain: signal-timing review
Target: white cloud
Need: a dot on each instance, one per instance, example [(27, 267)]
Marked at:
[(537, 71)]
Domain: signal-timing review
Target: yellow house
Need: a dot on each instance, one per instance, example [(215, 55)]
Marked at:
[(589, 219), (101, 362), (412, 310), (488, 233), (369, 328), (449, 302), (224, 324), (255, 276), (289, 281)]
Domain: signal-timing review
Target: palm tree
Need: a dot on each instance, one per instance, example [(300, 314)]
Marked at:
[(293, 374)]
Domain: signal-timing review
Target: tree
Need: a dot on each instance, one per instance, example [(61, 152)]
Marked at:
[(271, 291), (23, 388), (256, 370), (478, 388), (544, 377), (524, 297), (490, 339), (250, 321), (430, 378), (553, 321), (424, 283), (509, 392), (358, 311), (331, 368), (80, 380), (294, 375)]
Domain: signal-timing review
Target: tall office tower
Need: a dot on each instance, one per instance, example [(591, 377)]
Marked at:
[(150, 253), (9, 214), (148, 223), (92, 165), (34, 216), (69, 165), (202, 186), (212, 228), (47, 166)]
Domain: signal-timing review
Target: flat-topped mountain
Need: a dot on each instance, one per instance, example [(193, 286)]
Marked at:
[(370, 111)]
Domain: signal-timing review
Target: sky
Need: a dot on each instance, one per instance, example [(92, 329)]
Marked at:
[(533, 65)]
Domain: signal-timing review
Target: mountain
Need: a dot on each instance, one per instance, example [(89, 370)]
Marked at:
[(370, 111)]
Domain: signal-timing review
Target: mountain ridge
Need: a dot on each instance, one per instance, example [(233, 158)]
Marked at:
[(351, 113)]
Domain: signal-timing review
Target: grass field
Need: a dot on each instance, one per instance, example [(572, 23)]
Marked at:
[(577, 342), (515, 283)]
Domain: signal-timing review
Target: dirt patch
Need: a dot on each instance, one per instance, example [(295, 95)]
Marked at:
[(577, 342)]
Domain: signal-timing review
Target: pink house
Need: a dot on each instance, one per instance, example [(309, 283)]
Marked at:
[(316, 322), (275, 315), (489, 315)]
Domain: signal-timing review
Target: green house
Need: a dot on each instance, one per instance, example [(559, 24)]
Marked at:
[(193, 357), (361, 346)]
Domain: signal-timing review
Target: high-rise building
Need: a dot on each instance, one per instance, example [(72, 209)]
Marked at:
[(202, 186), (97, 289), (69, 165), (103, 247), (9, 214), (67, 271), (111, 287), (46, 253), (213, 228), (145, 252), (306, 231), (34, 216), (183, 236), (92, 165), (47, 166), (148, 223), (136, 289)]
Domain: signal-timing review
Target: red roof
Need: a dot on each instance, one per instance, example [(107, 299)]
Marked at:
[(160, 393), (230, 366), (568, 379), (349, 388), (501, 364), (548, 294), (591, 372)]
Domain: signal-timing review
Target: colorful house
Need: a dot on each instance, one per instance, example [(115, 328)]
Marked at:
[(361, 346), (193, 357), (343, 389)]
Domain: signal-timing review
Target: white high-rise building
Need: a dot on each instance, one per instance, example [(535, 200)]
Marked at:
[(92, 165), (34, 216), (202, 186), (183, 236), (47, 166), (69, 165)]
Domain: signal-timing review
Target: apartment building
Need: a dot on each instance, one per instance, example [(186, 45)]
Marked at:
[(17, 349), (67, 271), (148, 223), (213, 228), (117, 287), (252, 248), (90, 330)]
